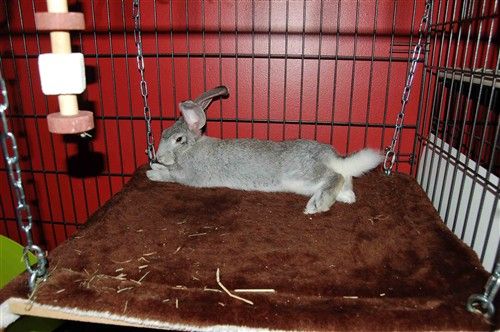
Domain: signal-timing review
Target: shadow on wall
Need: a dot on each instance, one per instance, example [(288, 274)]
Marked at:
[(86, 162)]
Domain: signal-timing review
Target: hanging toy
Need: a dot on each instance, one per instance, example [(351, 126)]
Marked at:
[(62, 72)]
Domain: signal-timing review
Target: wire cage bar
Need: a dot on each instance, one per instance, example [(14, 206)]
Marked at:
[(458, 138)]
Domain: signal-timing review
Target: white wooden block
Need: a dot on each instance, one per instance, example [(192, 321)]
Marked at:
[(62, 74)]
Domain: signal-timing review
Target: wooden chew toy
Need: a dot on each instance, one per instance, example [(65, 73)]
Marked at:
[(62, 72)]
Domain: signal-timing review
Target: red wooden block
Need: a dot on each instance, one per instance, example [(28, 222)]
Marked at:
[(46, 21), (74, 124)]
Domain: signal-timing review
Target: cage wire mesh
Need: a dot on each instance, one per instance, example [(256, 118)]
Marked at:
[(332, 71), (458, 138)]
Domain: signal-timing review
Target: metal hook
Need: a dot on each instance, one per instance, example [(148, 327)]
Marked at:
[(483, 304)]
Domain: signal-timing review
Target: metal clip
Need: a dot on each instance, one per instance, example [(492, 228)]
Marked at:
[(390, 158), (483, 303), (85, 135)]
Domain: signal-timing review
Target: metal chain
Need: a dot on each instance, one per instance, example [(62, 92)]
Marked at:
[(483, 303), (23, 211), (390, 156), (136, 13)]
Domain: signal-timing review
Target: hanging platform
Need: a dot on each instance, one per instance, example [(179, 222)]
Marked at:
[(149, 258)]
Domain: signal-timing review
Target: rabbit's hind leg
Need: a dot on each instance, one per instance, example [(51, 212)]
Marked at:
[(325, 196), (346, 195)]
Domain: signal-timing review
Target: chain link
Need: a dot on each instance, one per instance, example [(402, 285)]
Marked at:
[(23, 211), (390, 156), (136, 13)]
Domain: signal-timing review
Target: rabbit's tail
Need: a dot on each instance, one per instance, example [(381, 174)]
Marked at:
[(357, 163)]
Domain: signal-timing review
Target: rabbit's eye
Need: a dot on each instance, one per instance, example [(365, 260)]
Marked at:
[(179, 139)]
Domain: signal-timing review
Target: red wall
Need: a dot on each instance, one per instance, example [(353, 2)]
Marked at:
[(349, 70)]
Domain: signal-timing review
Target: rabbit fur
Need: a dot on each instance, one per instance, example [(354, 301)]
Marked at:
[(304, 167)]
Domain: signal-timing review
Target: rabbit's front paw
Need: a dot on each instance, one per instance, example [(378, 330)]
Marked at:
[(155, 175), (158, 166), (346, 196)]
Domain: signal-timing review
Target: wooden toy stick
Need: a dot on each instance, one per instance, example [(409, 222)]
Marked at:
[(61, 43)]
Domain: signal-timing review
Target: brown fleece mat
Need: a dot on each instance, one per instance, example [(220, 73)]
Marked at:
[(385, 262)]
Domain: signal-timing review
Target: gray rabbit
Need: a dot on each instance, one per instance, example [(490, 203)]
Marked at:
[(304, 167)]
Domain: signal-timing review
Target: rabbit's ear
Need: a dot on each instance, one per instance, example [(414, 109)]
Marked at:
[(206, 97), (193, 115)]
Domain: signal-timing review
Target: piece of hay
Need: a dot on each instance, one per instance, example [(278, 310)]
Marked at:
[(124, 289), (144, 276), (125, 308), (120, 277), (255, 290), (212, 290), (217, 277), (197, 234), (116, 262)]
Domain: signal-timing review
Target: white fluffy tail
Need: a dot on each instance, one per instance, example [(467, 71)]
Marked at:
[(357, 163)]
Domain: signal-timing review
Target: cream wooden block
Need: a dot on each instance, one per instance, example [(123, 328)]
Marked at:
[(57, 6), (62, 74)]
